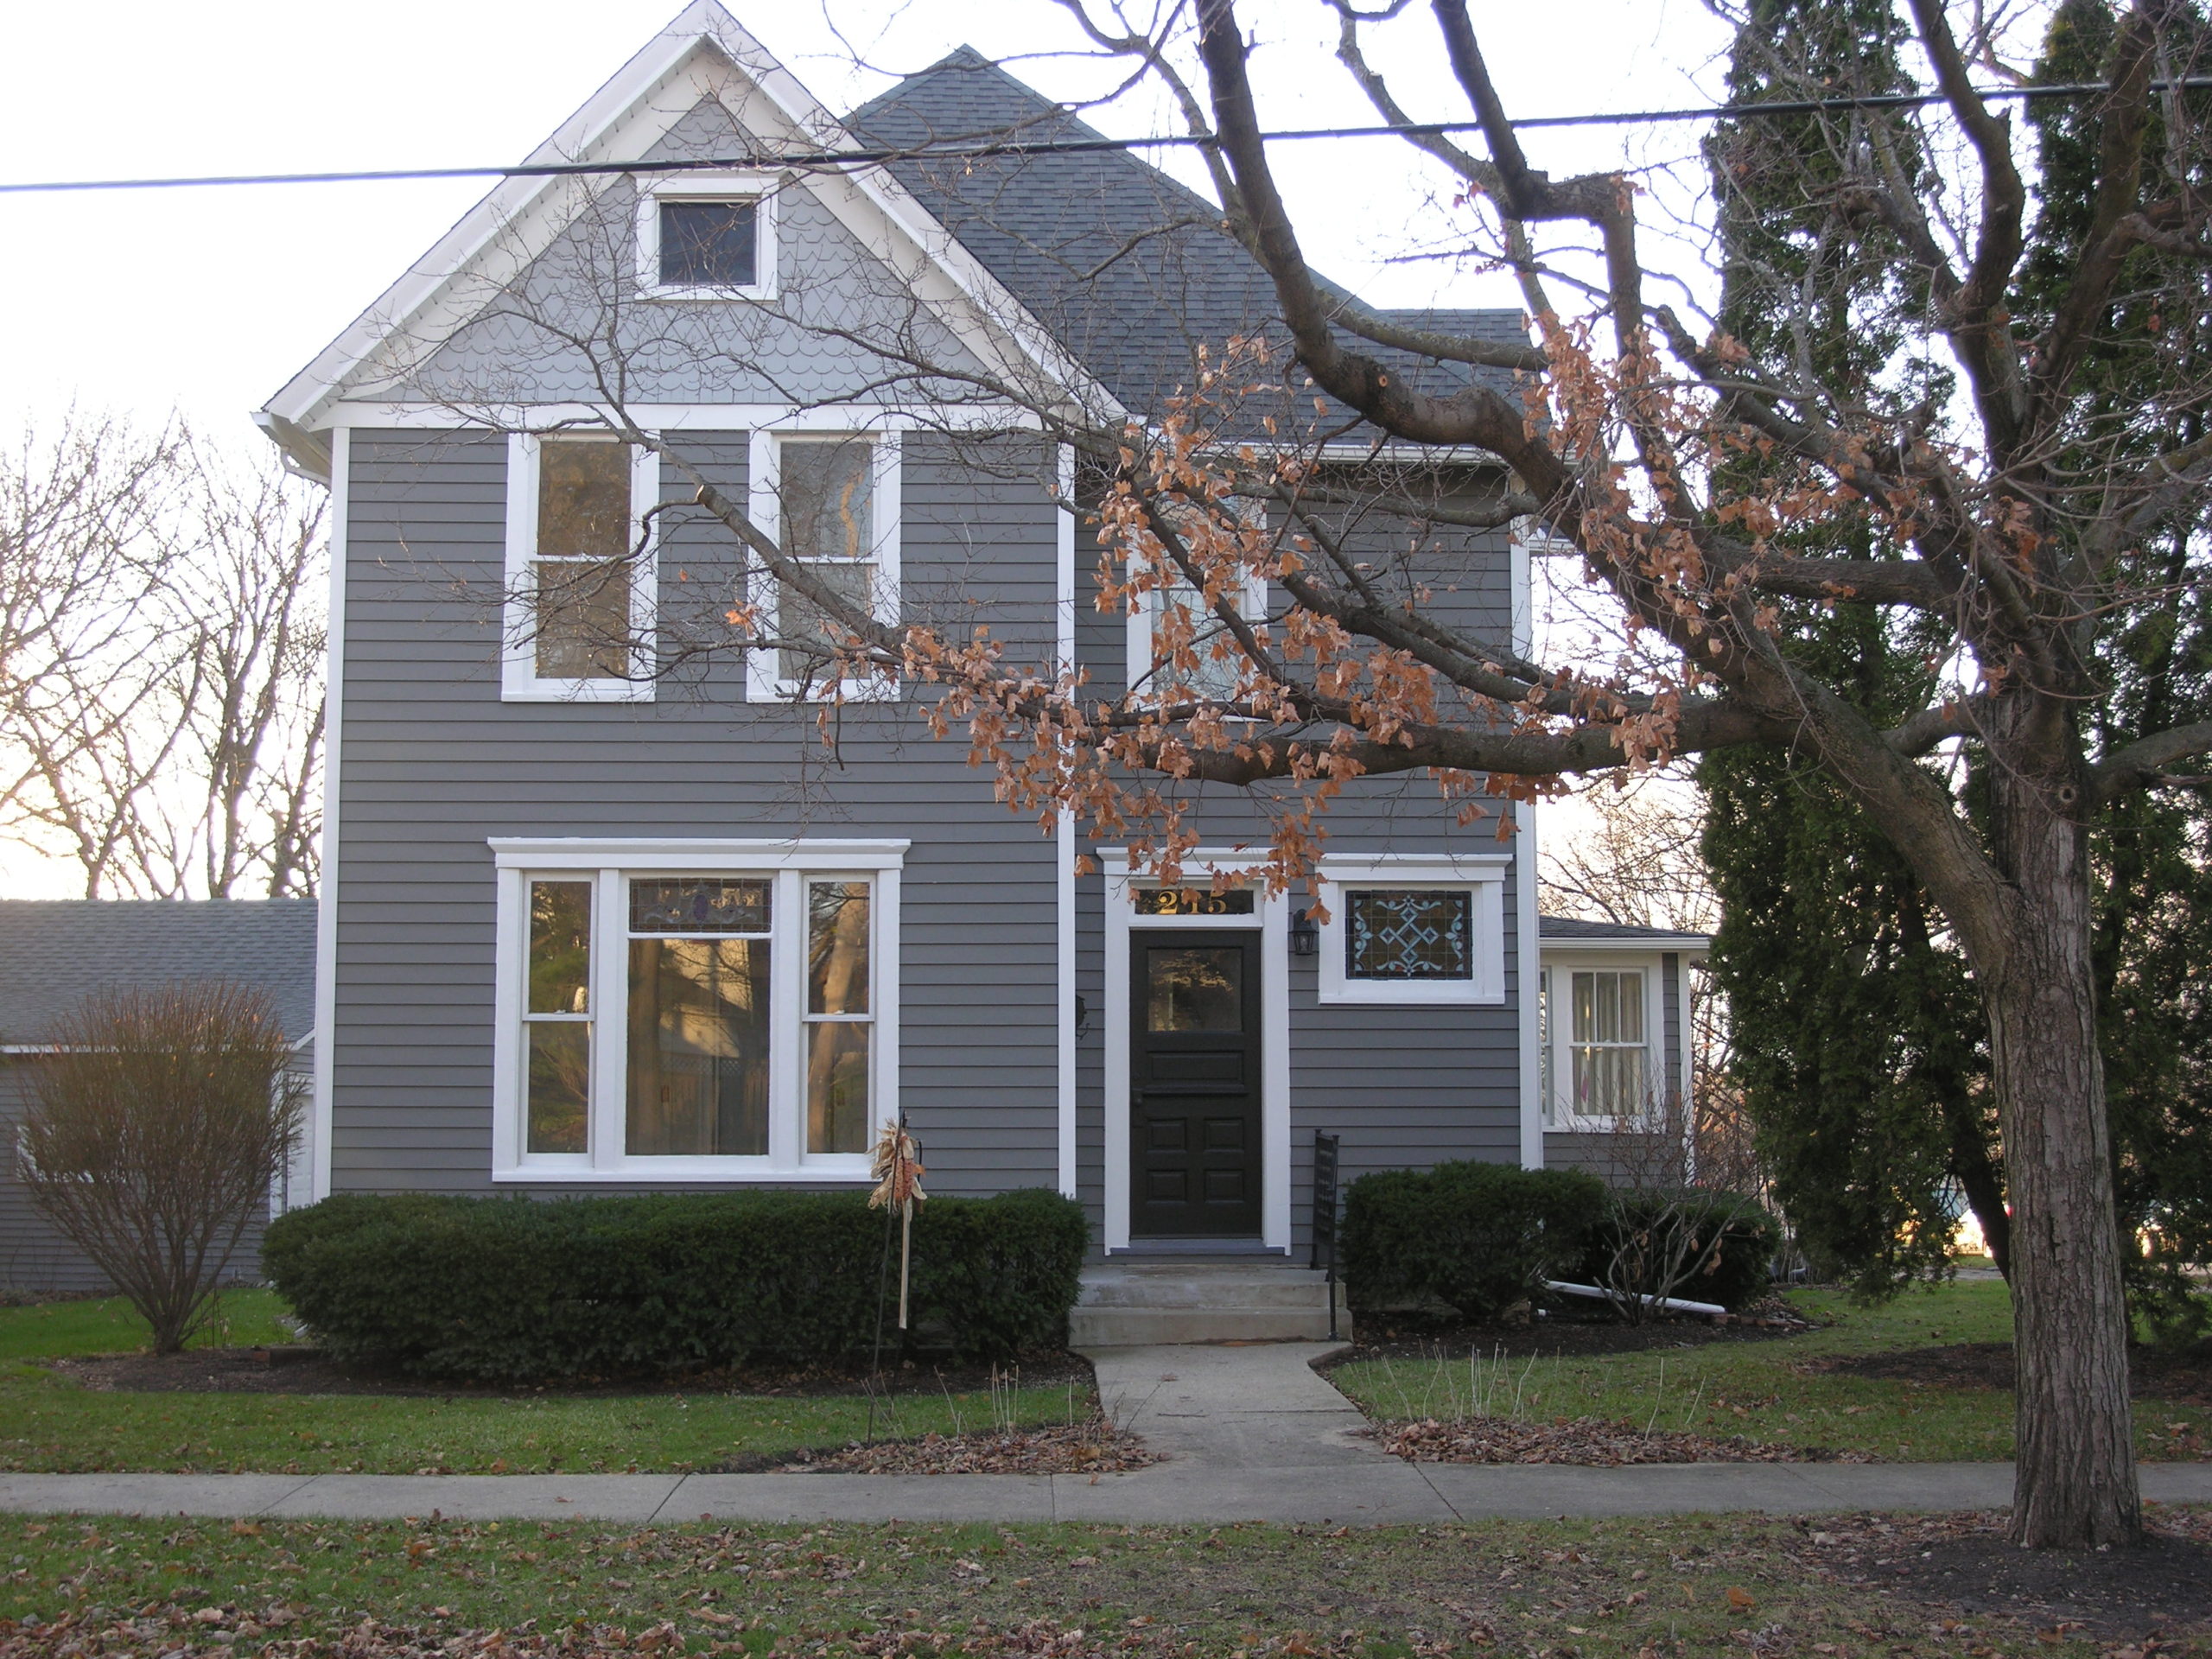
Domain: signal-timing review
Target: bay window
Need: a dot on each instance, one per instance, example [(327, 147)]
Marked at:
[(709, 1010)]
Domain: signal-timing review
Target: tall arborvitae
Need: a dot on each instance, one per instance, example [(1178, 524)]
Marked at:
[(1861, 1041)]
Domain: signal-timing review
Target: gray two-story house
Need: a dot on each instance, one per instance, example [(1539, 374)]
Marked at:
[(611, 904)]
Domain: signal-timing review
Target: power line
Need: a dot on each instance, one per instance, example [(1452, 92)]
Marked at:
[(1018, 149)]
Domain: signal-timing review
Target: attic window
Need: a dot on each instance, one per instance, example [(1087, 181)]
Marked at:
[(709, 244), (708, 236)]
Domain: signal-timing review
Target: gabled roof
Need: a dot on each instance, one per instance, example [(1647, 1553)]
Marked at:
[(1096, 269), (620, 122), (54, 953)]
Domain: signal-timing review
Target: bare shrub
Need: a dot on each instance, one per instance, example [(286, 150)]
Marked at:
[(158, 1126)]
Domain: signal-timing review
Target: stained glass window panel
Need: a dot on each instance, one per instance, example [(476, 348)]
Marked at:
[(698, 1048), (699, 904), (1414, 933)]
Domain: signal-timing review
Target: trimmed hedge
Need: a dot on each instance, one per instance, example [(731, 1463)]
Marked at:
[(1748, 1236), (1477, 1236), (511, 1289)]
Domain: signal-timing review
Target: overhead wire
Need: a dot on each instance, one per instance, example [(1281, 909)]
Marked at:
[(1018, 148)]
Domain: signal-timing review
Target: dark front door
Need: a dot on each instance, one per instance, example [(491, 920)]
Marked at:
[(1194, 1077)]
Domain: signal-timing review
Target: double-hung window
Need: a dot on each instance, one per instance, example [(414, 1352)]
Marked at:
[(830, 502), (1180, 648), (1608, 1049), (1413, 929), (579, 568), (708, 1011)]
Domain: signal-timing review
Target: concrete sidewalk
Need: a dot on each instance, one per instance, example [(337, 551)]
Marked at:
[(1252, 1433)]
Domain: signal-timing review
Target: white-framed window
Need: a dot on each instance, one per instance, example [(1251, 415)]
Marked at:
[(1413, 929), (1156, 669), (577, 624), (1601, 1025), (706, 236), (830, 499), (713, 1010)]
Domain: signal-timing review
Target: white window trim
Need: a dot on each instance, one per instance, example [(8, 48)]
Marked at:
[(1560, 1118), (759, 189), (1481, 875), (607, 864), (1272, 919), (763, 474), (1143, 664), (519, 677)]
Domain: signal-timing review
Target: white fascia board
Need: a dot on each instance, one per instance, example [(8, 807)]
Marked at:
[(1691, 943), (980, 417), (613, 119)]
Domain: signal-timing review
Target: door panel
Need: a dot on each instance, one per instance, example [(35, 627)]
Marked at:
[(1194, 1076)]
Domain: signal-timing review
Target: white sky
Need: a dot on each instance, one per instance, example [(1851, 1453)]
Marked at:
[(204, 302)]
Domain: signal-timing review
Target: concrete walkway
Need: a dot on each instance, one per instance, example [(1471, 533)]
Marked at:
[(1252, 1433)]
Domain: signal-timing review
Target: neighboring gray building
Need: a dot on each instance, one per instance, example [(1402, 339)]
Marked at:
[(601, 919), (53, 953)]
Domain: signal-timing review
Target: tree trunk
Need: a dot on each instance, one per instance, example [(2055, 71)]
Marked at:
[(2075, 1486)]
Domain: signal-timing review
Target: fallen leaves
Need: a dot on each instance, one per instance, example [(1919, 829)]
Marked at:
[(1590, 1440), (1092, 1448)]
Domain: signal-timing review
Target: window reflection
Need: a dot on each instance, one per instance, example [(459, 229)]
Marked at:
[(1194, 987)]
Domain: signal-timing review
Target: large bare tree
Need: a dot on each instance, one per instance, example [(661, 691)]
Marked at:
[(161, 662)]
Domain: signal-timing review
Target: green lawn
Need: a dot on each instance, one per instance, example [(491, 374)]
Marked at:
[(1590, 1588), (51, 1424), (1765, 1390)]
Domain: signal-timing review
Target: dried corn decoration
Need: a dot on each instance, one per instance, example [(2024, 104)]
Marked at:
[(897, 1170)]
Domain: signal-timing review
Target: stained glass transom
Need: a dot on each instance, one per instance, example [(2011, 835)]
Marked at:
[(698, 904), (1408, 933)]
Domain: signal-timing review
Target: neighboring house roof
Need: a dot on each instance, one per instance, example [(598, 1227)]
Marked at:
[(1563, 929), (1130, 269), (54, 953)]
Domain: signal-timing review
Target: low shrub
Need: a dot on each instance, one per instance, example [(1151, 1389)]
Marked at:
[(518, 1289), (1476, 1237), (1702, 1246)]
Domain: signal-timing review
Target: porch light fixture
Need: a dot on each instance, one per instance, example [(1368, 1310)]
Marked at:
[(1304, 934)]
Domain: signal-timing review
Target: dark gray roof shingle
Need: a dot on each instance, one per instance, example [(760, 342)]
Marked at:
[(1129, 268), (54, 953), (1567, 927)]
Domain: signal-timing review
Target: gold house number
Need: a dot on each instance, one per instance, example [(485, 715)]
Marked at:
[(1193, 902)]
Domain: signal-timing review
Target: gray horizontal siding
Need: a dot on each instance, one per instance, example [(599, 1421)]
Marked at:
[(433, 764)]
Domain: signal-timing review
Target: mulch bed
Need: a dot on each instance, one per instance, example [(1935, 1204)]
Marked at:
[(2184, 1376), (1964, 1562), (1591, 1440), (1092, 1448), (309, 1371), (1566, 1333)]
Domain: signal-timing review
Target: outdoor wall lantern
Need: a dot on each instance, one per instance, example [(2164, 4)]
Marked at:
[(1304, 934)]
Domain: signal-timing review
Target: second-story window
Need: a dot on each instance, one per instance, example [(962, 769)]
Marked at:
[(579, 568), (831, 501)]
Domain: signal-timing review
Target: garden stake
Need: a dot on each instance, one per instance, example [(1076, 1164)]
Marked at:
[(897, 1170)]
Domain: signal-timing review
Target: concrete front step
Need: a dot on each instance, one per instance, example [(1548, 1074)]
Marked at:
[(1132, 1304)]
